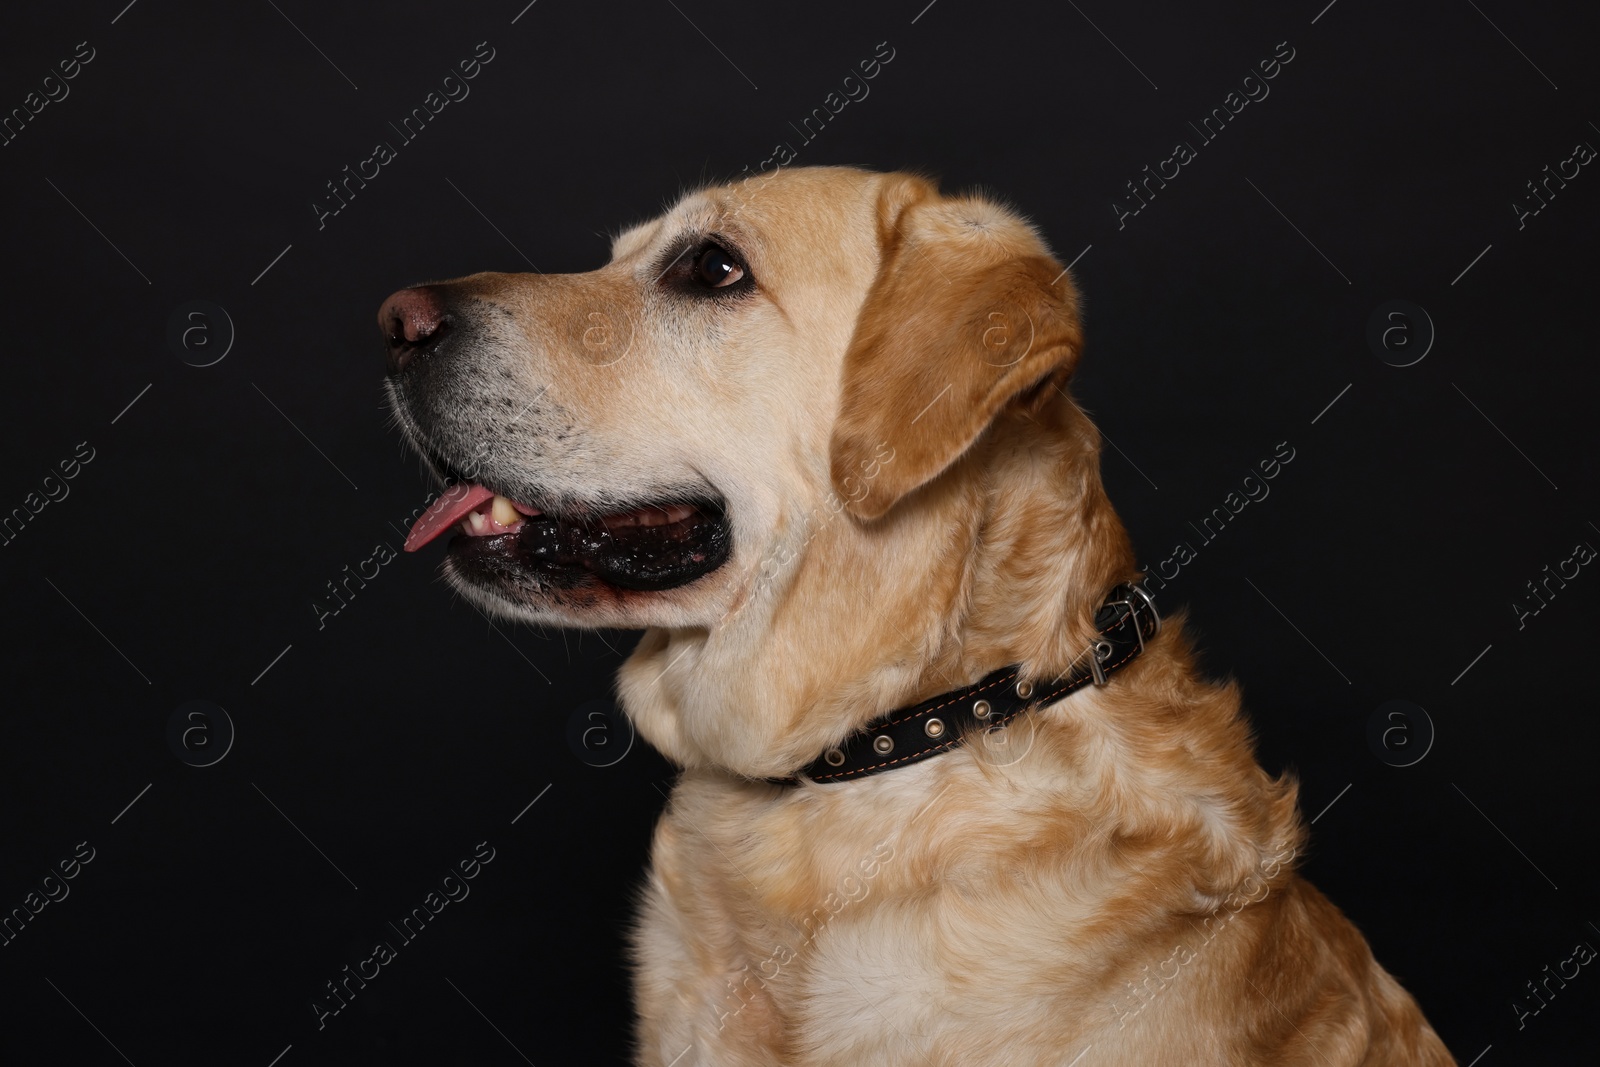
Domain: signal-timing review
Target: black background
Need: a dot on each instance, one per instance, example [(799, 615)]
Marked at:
[(378, 750)]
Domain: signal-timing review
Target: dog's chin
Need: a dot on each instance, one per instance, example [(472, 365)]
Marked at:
[(648, 566)]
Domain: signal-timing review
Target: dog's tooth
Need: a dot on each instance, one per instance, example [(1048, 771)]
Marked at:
[(504, 512), (479, 524)]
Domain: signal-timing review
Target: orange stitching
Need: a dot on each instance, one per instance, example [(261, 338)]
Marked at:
[(890, 763), (972, 692)]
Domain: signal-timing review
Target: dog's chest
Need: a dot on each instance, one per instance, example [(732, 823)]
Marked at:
[(846, 983), (758, 950)]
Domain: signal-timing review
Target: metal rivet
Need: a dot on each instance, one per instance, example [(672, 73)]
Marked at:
[(934, 728), (834, 756), (1024, 690), (883, 744), (981, 709)]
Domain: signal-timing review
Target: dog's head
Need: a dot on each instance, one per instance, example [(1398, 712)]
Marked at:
[(755, 409), (631, 445)]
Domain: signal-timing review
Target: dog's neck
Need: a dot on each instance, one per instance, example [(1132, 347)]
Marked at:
[(1002, 559)]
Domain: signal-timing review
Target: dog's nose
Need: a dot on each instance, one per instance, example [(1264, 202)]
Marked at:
[(410, 319)]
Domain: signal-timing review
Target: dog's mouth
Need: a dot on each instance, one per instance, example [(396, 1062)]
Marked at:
[(653, 546)]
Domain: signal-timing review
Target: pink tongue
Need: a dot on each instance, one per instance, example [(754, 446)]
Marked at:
[(458, 501)]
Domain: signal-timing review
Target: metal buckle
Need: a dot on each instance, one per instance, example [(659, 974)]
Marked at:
[(1133, 607), (1149, 602)]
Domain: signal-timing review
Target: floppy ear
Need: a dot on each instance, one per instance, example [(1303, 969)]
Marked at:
[(968, 313)]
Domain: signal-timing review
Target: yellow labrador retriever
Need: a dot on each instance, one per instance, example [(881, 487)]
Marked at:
[(951, 792)]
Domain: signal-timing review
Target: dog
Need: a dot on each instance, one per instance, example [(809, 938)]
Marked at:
[(951, 792)]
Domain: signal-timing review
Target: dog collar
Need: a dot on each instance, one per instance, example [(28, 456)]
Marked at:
[(1125, 620)]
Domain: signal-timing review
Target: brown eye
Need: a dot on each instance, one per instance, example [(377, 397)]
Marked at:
[(715, 268)]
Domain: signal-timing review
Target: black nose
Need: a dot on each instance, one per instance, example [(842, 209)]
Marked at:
[(410, 320)]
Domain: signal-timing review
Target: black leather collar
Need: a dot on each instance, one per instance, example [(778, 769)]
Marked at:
[(1125, 620)]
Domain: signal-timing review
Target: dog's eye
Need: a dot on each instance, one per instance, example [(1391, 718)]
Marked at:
[(715, 268)]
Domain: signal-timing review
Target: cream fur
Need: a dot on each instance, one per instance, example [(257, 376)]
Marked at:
[(1116, 880)]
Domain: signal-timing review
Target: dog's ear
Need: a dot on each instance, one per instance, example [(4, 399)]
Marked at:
[(968, 313)]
